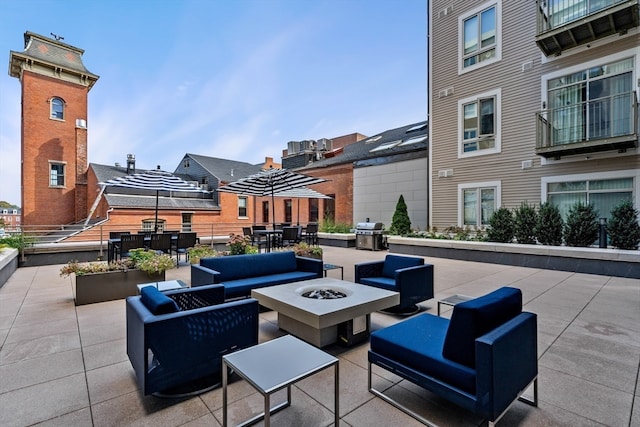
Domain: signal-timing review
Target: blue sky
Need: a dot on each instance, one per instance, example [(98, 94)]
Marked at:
[(229, 79)]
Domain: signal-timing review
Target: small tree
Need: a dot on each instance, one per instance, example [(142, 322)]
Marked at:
[(549, 225), (581, 228), (501, 226), (623, 226), (525, 223), (400, 223)]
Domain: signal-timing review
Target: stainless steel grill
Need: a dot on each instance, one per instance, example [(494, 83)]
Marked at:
[(369, 235)]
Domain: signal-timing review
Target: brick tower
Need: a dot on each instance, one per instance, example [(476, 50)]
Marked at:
[(55, 88)]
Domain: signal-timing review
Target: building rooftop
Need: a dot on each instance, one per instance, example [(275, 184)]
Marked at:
[(67, 365)]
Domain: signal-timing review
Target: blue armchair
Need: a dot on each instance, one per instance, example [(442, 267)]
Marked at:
[(481, 360), (409, 276), (176, 339)]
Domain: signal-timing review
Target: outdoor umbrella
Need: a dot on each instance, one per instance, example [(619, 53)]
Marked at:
[(155, 180), (269, 183), (302, 193)]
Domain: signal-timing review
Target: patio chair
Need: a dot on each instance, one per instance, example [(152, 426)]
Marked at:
[(409, 276), (311, 234), (127, 243), (176, 339), (161, 242), (117, 234), (482, 360), (183, 243), (290, 236), (256, 240)]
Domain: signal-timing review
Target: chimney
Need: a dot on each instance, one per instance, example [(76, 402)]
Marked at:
[(131, 164)]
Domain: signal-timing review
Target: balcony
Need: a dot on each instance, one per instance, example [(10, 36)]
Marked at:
[(564, 24), (603, 124)]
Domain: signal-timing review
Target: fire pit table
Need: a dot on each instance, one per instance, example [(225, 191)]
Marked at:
[(335, 308)]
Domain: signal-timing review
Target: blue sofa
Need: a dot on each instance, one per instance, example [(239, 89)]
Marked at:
[(176, 339), (482, 359), (241, 273)]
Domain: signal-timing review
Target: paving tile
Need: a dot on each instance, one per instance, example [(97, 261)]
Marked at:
[(106, 353), (28, 349), (43, 401), (35, 371), (134, 409), (207, 420), (111, 381), (28, 332), (76, 418)]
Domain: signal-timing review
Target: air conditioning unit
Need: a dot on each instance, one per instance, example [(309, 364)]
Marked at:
[(445, 173), (81, 123)]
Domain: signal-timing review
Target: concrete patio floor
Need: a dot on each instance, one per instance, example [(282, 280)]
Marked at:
[(62, 365)]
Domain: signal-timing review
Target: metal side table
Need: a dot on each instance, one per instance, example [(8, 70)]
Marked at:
[(274, 365)]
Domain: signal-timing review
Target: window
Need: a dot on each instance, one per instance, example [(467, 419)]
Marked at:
[(242, 207), (477, 202), (603, 191), (56, 174), (265, 212), (187, 220), (479, 35), (591, 103), (57, 108), (313, 210), (479, 124), (330, 208), (149, 225), (287, 211)]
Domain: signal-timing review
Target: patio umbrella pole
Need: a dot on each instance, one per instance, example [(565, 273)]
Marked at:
[(155, 230)]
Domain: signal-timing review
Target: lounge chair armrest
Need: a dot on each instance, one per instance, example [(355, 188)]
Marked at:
[(418, 278), (311, 265), (203, 276), (200, 296), (368, 269), (506, 363)]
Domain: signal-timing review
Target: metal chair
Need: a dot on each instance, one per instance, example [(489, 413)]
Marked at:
[(161, 242), (290, 236), (311, 234), (127, 243), (183, 243)]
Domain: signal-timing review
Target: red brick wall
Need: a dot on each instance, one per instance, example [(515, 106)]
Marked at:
[(44, 139)]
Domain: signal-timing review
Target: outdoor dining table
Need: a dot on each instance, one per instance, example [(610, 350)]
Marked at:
[(271, 236)]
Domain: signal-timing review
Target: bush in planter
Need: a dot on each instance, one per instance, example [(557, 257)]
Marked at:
[(400, 223), (304, 250), (240, 245), (581, 227), (330, 226), (501, 226), (200, 251), (623, 226), (150, 262), (525, 220), (549, 225)]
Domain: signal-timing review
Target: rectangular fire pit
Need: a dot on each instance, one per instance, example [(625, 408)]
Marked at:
[(316, 320)]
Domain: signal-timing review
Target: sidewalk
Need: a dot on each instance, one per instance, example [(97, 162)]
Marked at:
[(62, 365)]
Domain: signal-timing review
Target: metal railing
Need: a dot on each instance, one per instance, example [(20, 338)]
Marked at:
[(553, 14), (601, 118)]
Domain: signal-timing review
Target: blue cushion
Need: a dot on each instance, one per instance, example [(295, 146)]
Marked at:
[(157, 302), (380, 282), (476, 317), (396, 262), (235, 267), (417, 343)]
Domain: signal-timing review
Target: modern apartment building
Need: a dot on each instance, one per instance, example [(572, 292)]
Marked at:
[(532, 101)]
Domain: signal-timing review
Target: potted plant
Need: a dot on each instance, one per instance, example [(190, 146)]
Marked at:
[(240, 245), (200, 251), (304, 250), (101, 281)]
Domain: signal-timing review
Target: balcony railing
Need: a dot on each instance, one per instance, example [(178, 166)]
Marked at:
[(603, 124), (563, 24)]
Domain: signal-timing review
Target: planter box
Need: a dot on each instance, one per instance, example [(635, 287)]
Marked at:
[(110, 285)]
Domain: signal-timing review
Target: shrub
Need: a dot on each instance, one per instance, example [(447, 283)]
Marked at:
[(501, 226), (549, 225), (200, 251), (330, 226), (623, 226), (240, 245), (581, 227), (400, 223), (525, 219)]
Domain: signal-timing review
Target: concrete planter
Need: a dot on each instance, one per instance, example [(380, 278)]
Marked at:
[(110, 285)]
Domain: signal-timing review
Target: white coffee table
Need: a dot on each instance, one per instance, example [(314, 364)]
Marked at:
[(316, 320), (274, 365), (164, 286)]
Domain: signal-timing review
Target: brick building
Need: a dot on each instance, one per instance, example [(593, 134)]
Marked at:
[(55, 87)]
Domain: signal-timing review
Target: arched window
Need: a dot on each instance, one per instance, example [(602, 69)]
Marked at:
[(57, 108)]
